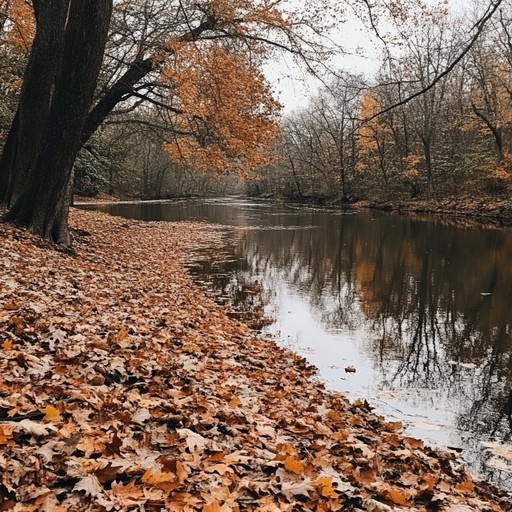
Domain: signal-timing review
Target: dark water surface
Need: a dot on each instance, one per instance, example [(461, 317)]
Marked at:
[(419, 307)]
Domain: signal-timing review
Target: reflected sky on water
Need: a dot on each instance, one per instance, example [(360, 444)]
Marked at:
[(421, 308)]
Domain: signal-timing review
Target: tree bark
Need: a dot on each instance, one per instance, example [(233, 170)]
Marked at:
[(496, 132), (58, 88), (28, 127)]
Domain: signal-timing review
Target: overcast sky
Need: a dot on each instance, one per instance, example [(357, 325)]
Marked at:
[(293, 86)]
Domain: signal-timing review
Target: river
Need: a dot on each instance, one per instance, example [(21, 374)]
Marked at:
[(412, 314)]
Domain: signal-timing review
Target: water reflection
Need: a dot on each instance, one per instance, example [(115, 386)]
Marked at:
[(420, 307)]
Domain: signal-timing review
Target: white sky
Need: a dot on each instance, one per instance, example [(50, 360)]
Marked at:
[(294, 86)]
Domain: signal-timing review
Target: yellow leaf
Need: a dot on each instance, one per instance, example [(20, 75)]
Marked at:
[(293, 465), (7, 345), (51, 414)]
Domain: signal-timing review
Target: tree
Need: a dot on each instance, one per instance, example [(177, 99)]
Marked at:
[(58, 86), (374, 140), (158, 51), (155, 51)]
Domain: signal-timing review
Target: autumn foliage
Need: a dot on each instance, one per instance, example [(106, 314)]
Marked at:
[(226, 104), (17, 21)]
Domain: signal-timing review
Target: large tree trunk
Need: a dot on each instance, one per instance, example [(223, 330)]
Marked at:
[(57, 93), (28, 127)]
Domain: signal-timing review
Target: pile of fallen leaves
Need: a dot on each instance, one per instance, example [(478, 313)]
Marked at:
[(123, 387)]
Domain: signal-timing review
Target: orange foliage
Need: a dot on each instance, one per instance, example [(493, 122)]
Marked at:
[(412, 165), (372, 132), (20, 25), (225, 115)]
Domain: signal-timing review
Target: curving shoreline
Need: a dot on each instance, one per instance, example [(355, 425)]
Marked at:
[(122, 385)]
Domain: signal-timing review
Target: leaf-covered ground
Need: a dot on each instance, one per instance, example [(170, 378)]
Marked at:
[(123, 387)]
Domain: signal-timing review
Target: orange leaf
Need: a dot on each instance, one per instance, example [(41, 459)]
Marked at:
[(325, 487), (6, 434), (122, 334), (7, 345), (466, 487), (234, 402), (10, 306), (293, 465), (394, 425), (412, 443), (397, 496), (51, 414), (155, 477)]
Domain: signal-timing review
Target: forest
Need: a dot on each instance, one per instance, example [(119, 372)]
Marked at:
[(182, 107)]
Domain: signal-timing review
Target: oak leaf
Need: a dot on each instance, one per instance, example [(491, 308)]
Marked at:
[(6, 434), (291, 489), (32, 427), (412, 443), (466, 487), (396, 496), (90, 485), (234, 402), (213, 506), (193, 440)]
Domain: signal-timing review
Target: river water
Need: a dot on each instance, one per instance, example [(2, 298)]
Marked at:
[(412, 314)]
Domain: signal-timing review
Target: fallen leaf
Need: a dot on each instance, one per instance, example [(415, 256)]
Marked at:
[(325, 487), (51, 414), (155, 477), (193, 440), (293, 465), (291, 489), (213, 506)]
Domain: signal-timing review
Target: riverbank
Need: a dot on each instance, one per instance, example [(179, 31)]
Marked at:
[(480, 209), (123, 386)]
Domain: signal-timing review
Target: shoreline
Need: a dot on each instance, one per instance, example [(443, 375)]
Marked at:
[(216, 419)]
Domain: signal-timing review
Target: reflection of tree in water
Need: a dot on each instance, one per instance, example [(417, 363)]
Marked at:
[(436, 299)]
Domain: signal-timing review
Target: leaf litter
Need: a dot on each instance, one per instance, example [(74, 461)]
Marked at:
[(124, 387)]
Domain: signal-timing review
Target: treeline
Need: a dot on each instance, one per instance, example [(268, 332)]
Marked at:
[(453, 139)]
